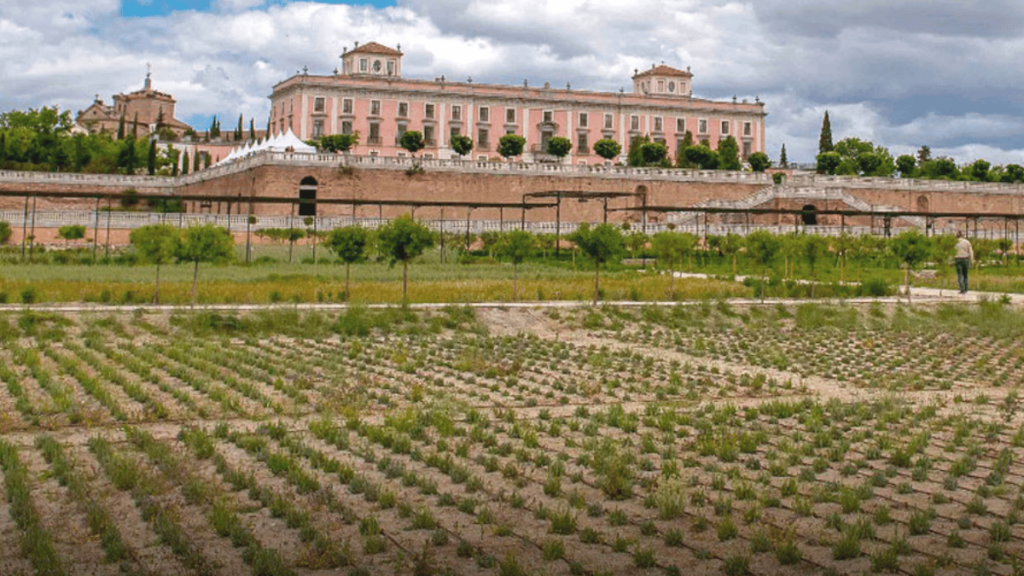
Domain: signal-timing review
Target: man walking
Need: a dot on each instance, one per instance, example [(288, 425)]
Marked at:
[(962, 260)]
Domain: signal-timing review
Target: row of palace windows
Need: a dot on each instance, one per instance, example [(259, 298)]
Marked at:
[(484, 115), (483, 136)]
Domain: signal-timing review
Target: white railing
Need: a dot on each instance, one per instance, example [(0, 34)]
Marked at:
[(265, 158)]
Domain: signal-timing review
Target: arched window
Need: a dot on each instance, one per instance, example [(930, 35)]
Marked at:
[(922, 203), (307, 196), (809, 216)]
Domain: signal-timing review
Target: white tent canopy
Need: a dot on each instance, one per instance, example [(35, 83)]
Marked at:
[(287, 142)]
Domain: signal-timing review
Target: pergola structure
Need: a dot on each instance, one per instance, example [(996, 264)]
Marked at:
[(110, 197), (584, 196)]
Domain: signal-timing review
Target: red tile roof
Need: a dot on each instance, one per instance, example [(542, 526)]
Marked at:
[(375, 48), (664, 71)]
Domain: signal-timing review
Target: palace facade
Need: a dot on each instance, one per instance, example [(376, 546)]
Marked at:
[(370, 96)]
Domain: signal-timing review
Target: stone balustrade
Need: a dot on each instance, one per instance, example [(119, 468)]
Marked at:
[(265, 158)]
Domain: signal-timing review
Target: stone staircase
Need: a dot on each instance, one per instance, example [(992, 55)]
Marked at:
[(804, 193)]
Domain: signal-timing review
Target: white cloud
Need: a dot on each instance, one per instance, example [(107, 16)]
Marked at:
[(900, 73)]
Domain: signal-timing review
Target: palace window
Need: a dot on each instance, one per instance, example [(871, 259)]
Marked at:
[(634, 122), (374, 107), (481, 138), (549, 116), (746, 129), (725, 127), (583, 119), (582, 145), (403, 109), (364, 65), (746, 149), (661, 85), (319, 104), (680, 124), (428, 111), (402, 127), (456, 112), (428, 136), (454, 131), (346, 106), (510, 115), (391, 67), (374, 137), (318, 128), (657, 124), (346, 126), (702, 126), (485, 114), (608, 120)]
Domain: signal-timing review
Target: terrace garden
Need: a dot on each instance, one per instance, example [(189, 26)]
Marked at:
[(705, 438)]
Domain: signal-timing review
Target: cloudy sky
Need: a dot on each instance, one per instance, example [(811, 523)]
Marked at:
[(901, 73)]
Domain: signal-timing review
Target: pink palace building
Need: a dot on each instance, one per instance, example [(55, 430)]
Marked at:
[(370, 96)]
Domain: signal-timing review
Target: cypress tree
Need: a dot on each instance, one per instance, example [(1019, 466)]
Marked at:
[(173, 155), (252, 129), (3, 146), (120, 128), (195, 163), (135, 126), (151, 159), (825, 140), (238, 131), (184, 164), (783, 161)]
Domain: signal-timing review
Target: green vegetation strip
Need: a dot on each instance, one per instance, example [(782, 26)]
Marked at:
[(36, 543)]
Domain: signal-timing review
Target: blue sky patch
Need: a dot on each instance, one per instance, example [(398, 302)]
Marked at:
[(147, 8)]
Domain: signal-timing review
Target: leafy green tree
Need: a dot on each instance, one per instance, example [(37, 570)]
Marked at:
[(412, 140), (828, 162), (924, 154), (703, 157), (672, 248), (763, 247), (731, 245), (906, 164), (515, 247), (844, 245), (206, 243), (759, 161), (349, 243), (159, 244), (911, 248), (654, 154), (607, 148), (602, 244), (979, 170), (687, 141), (339, 142), (729, 154), (940, 168), (783, 160), (1012, 174), (151, 158), (461, 144), (402, 240), (214, 128), (5, 232), (511, 145), (559, 146), (825, 138), (71, 232), (814, 248)]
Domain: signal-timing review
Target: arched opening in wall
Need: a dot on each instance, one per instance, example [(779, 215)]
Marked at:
[(307, 196), (922, 203), (809, 215)]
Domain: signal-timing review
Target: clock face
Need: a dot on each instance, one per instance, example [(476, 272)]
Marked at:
[(376, 66), (671, 86)]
